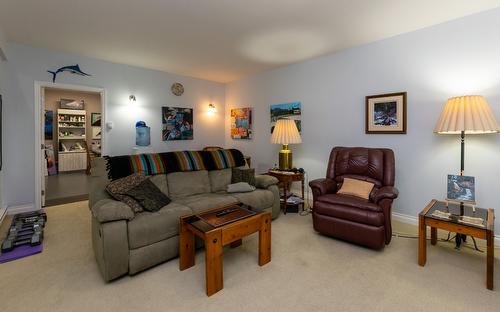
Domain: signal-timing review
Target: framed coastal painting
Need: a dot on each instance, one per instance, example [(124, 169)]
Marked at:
[(95, 119), (290, 110), (241, 123), (461, 188), (177, 123), (386, 113)]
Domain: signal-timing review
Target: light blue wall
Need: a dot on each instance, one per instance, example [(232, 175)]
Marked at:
[(152, 89), (433, 64)]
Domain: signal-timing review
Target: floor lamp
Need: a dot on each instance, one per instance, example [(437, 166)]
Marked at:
[(464, 115)]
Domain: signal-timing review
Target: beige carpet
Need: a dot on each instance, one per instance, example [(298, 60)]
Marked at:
[(308, 272)]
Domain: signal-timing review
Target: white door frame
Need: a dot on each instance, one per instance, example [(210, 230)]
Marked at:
[(38, 119)]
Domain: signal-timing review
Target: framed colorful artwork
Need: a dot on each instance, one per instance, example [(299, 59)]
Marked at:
[(177, 123), (241, 123), (386, 113)]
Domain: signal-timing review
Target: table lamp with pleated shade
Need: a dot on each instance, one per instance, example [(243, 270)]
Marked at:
[(463, 115), (285, 132)]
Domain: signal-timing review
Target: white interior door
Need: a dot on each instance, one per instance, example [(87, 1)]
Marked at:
[(42, 146)]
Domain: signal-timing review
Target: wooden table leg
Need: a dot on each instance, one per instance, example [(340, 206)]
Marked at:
[(490, 258), (186, 247), (421, 240), (236, 243), (303, 197), (265, 240), (285, 186), (213, 262), (433, 235)]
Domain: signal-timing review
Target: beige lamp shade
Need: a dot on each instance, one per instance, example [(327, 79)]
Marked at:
[(470, 113), (285, 132)]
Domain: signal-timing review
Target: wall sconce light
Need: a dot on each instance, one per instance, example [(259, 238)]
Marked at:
[(132, 98), (211, 108)]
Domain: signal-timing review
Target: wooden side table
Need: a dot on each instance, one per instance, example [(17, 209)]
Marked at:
[(286, 178), (483, 231)]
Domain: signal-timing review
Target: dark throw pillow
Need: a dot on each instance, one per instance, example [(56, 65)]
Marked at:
[(243, 175), (118, 189), (149, 196)]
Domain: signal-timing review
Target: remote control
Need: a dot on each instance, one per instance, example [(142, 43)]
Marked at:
[(225, 212)]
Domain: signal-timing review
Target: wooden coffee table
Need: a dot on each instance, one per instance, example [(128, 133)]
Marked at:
[(218, 232), (483, 231)]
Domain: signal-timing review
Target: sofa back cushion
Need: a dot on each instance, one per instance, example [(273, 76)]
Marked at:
[(219, 179), (160, 180), (181, 184)]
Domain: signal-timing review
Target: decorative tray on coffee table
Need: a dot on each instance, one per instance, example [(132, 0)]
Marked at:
[(214, 218)]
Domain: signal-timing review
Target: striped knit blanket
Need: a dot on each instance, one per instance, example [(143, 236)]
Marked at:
[(162, 163)]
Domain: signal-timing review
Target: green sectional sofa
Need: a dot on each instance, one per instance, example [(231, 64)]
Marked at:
[(127, 242)]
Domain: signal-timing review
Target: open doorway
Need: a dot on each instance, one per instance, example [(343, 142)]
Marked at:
[(71, 137)]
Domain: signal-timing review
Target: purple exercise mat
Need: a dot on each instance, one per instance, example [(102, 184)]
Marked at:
[(21, 251)]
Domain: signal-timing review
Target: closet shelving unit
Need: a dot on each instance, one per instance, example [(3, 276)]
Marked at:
[(71, 136)]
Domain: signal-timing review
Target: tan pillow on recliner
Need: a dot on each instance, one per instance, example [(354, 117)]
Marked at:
[(356, 188)]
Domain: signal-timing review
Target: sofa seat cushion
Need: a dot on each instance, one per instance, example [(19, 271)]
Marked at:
[(182, 184), (352, 201), (257, 200), (349, 213), (206, 201), (151, 227)]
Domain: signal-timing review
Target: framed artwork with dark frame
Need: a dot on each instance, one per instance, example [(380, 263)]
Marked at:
[(386, 113)]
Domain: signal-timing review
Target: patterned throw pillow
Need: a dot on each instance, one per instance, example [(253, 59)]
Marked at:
[(149, 196), (243, 175), (118, 189)]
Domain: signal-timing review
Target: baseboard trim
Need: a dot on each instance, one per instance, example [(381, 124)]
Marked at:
[(404, 218), (21, 208), (408, 219)]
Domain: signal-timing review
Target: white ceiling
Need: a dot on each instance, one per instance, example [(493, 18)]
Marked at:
[(220, 40)]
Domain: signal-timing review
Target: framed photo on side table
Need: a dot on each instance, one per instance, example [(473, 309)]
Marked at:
[(461, 189), (386, 113)]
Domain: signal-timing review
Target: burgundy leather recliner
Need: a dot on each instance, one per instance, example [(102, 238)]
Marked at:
[(364, 222)]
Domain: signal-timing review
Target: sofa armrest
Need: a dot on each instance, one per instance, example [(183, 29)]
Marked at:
[(385, 192), (322, 186), (107, 210), (263, 181)]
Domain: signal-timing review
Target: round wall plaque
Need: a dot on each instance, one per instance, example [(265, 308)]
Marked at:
[(177, 89)]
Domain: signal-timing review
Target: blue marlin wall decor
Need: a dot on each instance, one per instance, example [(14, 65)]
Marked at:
[(74, 69)]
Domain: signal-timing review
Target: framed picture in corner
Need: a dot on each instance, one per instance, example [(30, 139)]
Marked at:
[(386, 113)]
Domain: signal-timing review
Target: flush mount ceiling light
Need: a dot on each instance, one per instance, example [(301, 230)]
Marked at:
[(132, 98)]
